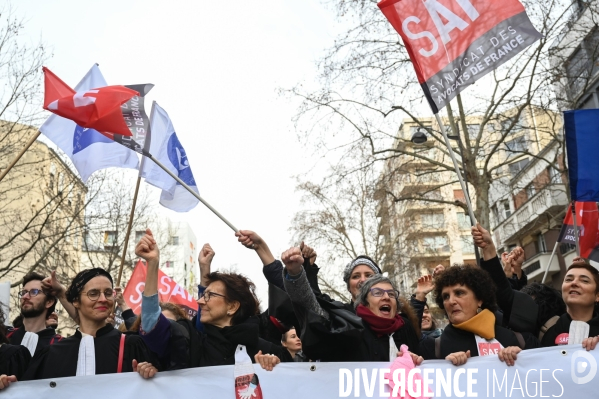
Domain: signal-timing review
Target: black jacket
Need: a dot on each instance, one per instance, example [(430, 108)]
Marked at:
[(47, 337), (14, 360), (456, 340), (347, 338), (563, 326)]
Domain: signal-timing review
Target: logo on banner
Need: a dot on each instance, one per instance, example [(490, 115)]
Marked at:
[(582, 361), (248, 387), (562, 339)]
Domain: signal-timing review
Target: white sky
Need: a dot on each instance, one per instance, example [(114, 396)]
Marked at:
[(216, 67)]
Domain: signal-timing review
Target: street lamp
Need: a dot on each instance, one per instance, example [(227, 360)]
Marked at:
[(419, 137)]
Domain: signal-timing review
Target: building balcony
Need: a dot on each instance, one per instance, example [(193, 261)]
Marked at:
[(550, 200), (535, 267), (431, 253), (421, 206), (416, 230)]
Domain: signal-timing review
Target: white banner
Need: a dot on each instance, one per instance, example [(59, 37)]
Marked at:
[(561, 372)]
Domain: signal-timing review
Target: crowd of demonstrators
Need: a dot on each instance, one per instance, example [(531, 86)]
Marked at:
[(491, 309), (228, 315), (580, 293), (374, 335)]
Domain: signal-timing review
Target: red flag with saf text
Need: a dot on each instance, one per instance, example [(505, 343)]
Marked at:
[(98, 109), (168, 291), (587, 223), (452, 43)]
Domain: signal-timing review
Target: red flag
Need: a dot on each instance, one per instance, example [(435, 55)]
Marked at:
[(98, 109), (168, 291), (587, 221), (452, 43)]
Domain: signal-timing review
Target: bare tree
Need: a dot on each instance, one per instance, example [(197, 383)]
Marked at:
[(368, 88), (342, 218)]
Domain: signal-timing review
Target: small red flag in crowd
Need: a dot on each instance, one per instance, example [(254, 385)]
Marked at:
[(168, 291), (98, 109), (587, 222)]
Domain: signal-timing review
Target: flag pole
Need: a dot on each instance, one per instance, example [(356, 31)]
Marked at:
[(129, 226), (575, 228), (549, 264), (19, 155), (171, 174), (457, 169)]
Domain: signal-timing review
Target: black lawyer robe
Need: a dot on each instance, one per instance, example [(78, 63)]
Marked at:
[(14, 360), (46, 337), (563, 326), (60, 359)]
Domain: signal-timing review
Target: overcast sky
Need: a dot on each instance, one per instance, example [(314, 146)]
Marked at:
[(216, 67)]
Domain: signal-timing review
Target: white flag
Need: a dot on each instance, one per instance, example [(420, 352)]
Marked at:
[(166, 147), (88, 149)]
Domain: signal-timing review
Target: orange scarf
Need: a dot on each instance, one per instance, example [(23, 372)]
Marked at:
[(482, 324)]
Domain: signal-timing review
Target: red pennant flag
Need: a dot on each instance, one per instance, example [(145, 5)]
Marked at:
[(587, 221), (98, 109), (168, 291), (452, 43)]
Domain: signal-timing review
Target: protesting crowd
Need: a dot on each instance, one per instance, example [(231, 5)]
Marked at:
[(490, 310)]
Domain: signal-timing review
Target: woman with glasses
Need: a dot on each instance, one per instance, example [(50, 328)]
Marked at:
[(228, 310), (96, 347), (375, 333)]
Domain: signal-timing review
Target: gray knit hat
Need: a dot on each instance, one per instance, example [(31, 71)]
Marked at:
[(360, 260)]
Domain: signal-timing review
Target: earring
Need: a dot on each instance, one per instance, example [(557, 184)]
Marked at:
[(478, 310)]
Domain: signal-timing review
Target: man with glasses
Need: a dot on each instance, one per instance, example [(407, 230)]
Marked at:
[(36, 306)]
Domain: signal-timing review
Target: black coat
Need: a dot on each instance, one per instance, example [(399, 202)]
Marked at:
[(456, 340), (216, 347), (60, 359), (46, 337), (347, 338), (563, 326), (14, 360)]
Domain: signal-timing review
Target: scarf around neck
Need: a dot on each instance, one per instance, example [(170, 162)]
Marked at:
[(482, 324), (380, 325)]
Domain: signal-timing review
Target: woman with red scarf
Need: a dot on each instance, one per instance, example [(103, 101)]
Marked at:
[(374, 333)]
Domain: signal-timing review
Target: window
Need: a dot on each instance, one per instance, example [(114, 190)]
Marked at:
[(495, 211), (530, 191), (467, 245), (541, 245), (473, 130), (517, 145), (434, 244), (414, 129), (70, 195), (60, 182), (52, 169), (506, 208), (139, 234), (174, 240), (432, 220), (464, 220), (554, 176), (110, 239), (516, 167)]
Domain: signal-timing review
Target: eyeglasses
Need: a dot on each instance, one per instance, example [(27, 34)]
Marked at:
[(379, 292), (94, 294), (32, 292), (207, 295)]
